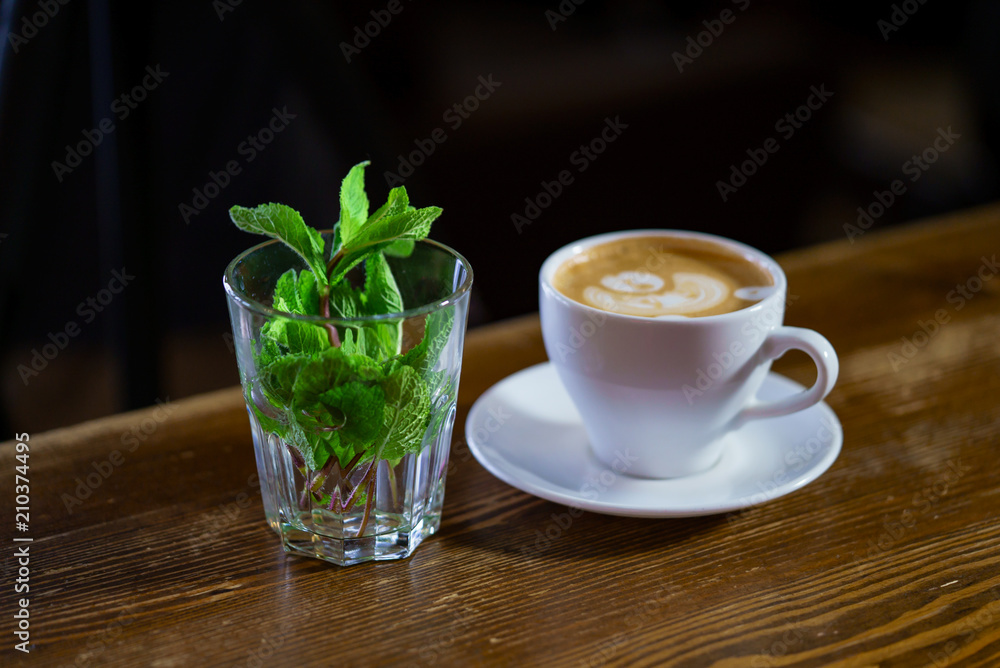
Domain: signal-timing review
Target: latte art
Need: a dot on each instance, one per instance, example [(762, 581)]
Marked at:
[(691, 293), (658, 276), (633, 281)]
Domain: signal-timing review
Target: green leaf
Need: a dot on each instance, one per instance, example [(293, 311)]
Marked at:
[(315, 449), (337, 243), (297, 292), (443, 391), (277, 379), (340, 391), (381, 293), (269, 350), (307, 289), (284, 223), (286, 297), (424, 356), (396, 203), (267, 423), (345, 301), (335, 403), (378, 233), (363, 341), (353, 201), (294, 336), (297, 337), (329, 369), (360, 407), (407, 414), (381, 296), (402, 248), (354, 342)]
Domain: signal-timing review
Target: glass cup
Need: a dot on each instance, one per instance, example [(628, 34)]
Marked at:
[(380, 500)]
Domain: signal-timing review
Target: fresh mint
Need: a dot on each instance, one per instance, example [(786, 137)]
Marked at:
[(381, 295), (282, 222), (395, 222), (353, 201), (344, 396), (407, 413)]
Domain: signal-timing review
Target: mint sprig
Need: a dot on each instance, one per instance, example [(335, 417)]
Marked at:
[(394, 223), (343, 396)]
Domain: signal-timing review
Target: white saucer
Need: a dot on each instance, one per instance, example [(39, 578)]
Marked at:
[(526, 432)]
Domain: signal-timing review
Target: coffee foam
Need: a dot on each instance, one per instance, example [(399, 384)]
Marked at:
[(691, 293), (659, 276)]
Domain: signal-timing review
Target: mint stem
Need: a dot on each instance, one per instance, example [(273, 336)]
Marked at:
[(349, 503), (335, 505), (354, 462), (324, 300), (343, 474), (296, 457), (332, 264), (332, 467), (369, 502), (324, 309), (306, 488), (392, 485)]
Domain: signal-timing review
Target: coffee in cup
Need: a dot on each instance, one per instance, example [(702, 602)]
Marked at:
[(655, 276)]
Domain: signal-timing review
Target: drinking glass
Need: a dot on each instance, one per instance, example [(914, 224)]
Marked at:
[(378, 505)]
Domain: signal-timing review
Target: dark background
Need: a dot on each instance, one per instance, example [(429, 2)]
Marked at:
[(230, 65)]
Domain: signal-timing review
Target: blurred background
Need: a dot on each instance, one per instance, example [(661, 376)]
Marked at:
[(128, 129)]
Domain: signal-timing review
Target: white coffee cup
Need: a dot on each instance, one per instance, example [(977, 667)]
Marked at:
[(661, 393)]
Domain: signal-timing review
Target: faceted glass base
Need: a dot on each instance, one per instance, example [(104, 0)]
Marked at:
[(347, 551)]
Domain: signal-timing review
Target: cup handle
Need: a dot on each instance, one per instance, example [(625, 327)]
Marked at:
[(814, 344)]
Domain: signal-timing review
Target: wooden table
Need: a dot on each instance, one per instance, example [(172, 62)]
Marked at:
[(891, 558)]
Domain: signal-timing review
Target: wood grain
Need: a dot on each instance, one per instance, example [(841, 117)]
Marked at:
[(891, 558)]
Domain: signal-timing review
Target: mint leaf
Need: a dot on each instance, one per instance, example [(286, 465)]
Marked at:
[(297, 337), (338, 398), (407, 414), (307, 290), (337, 243), (315, 450), (297, 293), (401, 248), (353, 202), (284, 223), (424, 356), (361, 408), (329, 369), (381, 296), (444, 391), (358, 341), (335, 402), (269, 350), (278, 378), (396, 203), (345, 301), (286, 297), (268, 423), (381, 231), (367, 340)]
